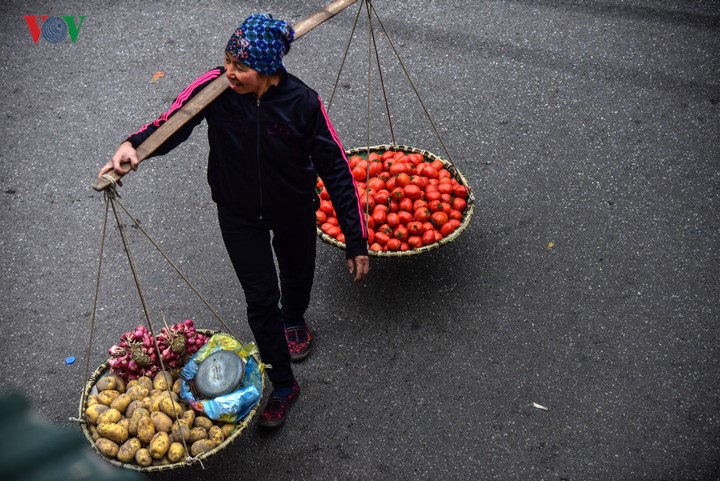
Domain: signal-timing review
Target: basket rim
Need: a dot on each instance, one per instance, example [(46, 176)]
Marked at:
[(239, 428), (467, 217)]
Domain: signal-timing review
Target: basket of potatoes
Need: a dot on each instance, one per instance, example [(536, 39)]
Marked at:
[(143, 424)]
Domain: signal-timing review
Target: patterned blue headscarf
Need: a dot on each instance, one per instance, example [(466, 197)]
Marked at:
[(260, 42)]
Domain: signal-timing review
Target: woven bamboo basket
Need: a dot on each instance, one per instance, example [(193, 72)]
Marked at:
[(467, 216), (239, 428)]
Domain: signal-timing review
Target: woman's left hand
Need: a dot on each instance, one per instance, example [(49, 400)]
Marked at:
[(359, 267)]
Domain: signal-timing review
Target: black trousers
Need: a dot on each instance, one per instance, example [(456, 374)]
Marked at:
[(250, 244)]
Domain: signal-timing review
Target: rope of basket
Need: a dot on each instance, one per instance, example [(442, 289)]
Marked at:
[(374, 53), (112, 201)]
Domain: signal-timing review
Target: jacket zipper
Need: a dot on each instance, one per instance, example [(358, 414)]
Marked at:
[(257, 157)]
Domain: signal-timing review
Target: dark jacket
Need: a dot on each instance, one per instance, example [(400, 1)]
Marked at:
[(265, 154)]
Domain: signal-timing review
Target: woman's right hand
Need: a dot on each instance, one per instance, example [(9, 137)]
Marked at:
[(123, 161)]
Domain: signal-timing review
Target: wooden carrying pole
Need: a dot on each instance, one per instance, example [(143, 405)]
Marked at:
[(210, 93)]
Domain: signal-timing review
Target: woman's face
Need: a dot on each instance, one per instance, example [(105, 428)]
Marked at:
[(243, 79)]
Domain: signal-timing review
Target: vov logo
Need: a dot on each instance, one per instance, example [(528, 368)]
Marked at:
[(54, 29)]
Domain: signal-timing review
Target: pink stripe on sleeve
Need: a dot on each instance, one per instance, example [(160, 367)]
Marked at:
[(181, 99), (347, 163)]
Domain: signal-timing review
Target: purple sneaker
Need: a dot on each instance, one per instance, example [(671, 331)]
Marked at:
[(277, 408), (299, 342)]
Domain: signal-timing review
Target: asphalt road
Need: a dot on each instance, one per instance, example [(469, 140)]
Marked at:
[(587, 282)]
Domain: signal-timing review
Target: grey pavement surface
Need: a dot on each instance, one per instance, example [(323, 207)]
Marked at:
[(592, 125)]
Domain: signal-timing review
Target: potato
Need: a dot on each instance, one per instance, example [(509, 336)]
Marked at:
[(216, 435), (129, 448), (93, 432), (133, 423), (228, 429), (176, 452), (176, 386), (189, 416), (143, 458), (111, 382), (163, 381), (121, 403), (109, 416), (107, 448), (162, 461), (171, 408), (130, 383), (125, 423), (134, 406), (197, 434), (145, 382), (93, 412), (137, 392), (107, 397), (159, 445), (92, 399), (180, 430), (162, 421), (113, 432), (145, 429), (201, 446), (203, 422)]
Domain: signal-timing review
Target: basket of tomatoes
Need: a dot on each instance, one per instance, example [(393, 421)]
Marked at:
[(414, 201)]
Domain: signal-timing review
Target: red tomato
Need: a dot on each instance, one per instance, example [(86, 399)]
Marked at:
[(406, 204), (381, 238), (324, 194), (391, 183), (398, 167), (374, 168), (382, 197), (334, 231), (438, 235), (384, 175), (378, 216), (405, 217), (447, 229), (332, 220), (447, 198), (435, 205), (397, 193), (418, 180), (404, 246), (393, 220), (460, 191), (412, 191), (439, 218), (401, 233), (415, 228), (394, 205), (428, 237), (427, 226), (455, 214), (320, 217), (373, 157), (388, 163), (445, 187), (340, 237), (388, 154), (444, 174), (418, 204), (385, 229), (422, 215), (432, 195), (375, 247), (327, 207), (414, 242), (402, 179), (376, 184), (437, 165), (393, 244), (399, 154), (446, 207), (359, 173), (353, 160)]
